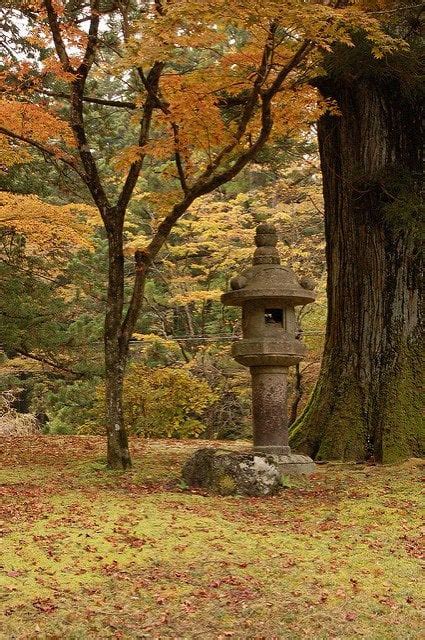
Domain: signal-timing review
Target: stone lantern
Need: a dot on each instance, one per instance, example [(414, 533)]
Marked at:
[(268, 293)]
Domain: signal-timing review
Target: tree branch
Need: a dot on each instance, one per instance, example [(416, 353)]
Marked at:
[(303, 50), (53, 152), (57, 37), (136, 301), (250, 104), (91, 47), (91, 177), (152, 81), (178, 158), (205, 184), (120, 104), (217, 180), (224, 102), (49, 362)]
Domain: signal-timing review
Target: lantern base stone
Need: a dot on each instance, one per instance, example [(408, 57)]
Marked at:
[(294, 464)]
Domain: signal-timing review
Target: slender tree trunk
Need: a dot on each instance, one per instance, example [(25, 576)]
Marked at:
[(118, 455), (367, 401)]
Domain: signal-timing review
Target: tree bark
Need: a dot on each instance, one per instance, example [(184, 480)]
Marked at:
[(367, 400), (118, 455)]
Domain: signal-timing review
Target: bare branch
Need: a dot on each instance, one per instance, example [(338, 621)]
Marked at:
[(57, 37), (48, 362), (152, 81), (178, 158)]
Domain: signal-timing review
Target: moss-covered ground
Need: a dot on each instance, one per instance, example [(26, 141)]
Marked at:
[(88, 553)]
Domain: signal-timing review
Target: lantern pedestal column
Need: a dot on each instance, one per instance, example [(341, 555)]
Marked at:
[(270, 420), (269, 409)]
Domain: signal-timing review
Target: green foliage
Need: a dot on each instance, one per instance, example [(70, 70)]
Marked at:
[(30, 307), (404, 206), (68, 406), (403, 67)]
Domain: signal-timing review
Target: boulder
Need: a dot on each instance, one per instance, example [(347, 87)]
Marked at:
[(228, 472)]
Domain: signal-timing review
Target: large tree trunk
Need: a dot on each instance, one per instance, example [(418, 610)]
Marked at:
[(118, 454), (367, 401)]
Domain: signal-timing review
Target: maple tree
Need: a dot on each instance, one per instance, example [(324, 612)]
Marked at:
[(204, 88)]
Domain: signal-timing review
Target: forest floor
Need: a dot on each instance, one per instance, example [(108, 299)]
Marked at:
[(88, 553)]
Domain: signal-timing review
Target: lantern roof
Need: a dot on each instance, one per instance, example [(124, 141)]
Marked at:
[(267, 279)]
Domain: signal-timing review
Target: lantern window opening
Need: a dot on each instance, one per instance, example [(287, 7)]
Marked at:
[(274, 316)]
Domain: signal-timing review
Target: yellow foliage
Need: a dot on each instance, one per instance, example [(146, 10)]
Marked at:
[(165, 402), (203, 62), (215, 238), (125, 158), (47, 227), (209, 51), (11, 153)]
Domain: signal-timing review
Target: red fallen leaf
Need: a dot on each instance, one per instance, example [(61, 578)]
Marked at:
[(188, 606), (46, 606), (351, 616), (14, 574)]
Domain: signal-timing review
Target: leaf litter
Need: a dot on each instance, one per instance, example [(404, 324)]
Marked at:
[(88, 553)]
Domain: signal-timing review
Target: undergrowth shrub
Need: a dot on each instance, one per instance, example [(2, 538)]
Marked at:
[(13, 423), (159, 403)]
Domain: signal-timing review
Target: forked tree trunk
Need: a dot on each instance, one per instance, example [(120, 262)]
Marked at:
[(118, 455), (367, 400)]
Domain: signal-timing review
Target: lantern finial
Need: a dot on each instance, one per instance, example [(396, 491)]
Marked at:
[(266, 241)]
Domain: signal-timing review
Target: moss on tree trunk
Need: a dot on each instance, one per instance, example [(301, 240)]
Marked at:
[(367, 400)]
